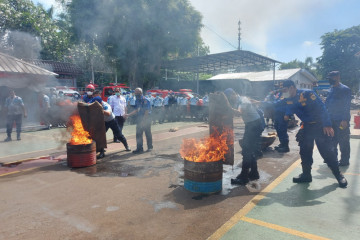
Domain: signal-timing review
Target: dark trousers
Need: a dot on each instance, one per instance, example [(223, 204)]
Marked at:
[(120, 120), (281, 128), (143, 125), (116, 130), (311, 133), (10, 121), (342, 138), (251, 143)]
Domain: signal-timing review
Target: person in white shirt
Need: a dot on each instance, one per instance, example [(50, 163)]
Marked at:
[(110, 122), (119, 108)]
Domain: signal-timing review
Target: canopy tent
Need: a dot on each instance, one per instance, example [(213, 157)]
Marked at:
[(15, 73), (218, 62)]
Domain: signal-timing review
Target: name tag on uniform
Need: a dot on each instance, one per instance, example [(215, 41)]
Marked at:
[(289, 102)]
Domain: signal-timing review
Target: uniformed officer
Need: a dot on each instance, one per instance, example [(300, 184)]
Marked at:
[(316, 126), (279, 106), (193, 107), (338, 105), (158, 110)]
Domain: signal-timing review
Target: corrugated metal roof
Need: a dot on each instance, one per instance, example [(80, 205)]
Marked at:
[(9, 64), (259, 76), (56, 67)]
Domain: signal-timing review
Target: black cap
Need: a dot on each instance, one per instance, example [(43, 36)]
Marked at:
[(288, 83), (333, 74)]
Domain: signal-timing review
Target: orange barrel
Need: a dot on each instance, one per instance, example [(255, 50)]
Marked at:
[(82, 155)]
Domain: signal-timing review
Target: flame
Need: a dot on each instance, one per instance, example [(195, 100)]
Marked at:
[(209, 149), (78, 135)]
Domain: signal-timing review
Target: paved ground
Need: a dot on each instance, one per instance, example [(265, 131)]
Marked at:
[(128, 196)]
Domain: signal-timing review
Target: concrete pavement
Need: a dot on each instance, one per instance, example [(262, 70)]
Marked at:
[(319, 210)]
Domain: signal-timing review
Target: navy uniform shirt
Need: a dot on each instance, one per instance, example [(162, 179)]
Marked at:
[(278, 102), (338, 103), (308, 106), (86, 98), (143, 104)]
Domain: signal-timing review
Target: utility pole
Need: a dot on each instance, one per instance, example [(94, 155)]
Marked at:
[(239, 35)]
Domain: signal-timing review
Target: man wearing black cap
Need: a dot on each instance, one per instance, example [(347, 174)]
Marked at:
[(316, 126), (338, 105)]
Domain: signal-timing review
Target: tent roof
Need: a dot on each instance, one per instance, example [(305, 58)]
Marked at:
[(218, 62), (9, 64), (265, 75)]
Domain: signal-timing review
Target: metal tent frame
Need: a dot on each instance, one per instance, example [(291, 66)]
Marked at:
[(218, 62)]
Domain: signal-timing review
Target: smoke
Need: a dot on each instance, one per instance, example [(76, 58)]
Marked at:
[(20, 44), (258, 19)]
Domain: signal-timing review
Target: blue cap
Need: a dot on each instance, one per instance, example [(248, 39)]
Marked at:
[(229, 91), (96, 99)]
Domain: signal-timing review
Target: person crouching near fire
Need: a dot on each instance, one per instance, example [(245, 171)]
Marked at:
[(252, 136), (110, 121)]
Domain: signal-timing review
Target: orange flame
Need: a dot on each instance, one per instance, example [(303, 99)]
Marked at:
[(209, 149), (78, 135)]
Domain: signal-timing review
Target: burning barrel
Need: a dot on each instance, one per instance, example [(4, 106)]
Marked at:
[(82, 155), (203, 177)]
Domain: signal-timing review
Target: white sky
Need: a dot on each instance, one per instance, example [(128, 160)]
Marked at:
[(281, 29)]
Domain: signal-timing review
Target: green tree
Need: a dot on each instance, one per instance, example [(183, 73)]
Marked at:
[(136, 36), (339, 49)]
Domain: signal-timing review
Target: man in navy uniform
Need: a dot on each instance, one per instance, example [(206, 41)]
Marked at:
[(316, 126), (338, 105), (278, 103), (143, 121)]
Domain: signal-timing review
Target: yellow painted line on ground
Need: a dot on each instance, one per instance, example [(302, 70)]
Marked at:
[(252, 203), (30, 152), (349, 173), (5, 174), (283, 229)]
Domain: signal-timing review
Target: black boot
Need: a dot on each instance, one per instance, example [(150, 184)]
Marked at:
[(254, 173), (242, 178), (283, 147), (339, 177), (305, 176)]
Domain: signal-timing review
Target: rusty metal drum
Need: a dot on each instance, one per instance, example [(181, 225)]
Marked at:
[(83, 155), (203, 177)]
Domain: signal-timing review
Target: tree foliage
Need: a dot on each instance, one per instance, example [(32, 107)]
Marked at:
[(339, 49), (136, 36)]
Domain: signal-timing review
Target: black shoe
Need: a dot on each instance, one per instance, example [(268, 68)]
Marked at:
[(18, 138), (239, 181), (116, 141), (282, 149), (343, 163), (302, 178), (342, 181), (127, 148), (254, 175), (101, 155), (138, 151), (8, 139)]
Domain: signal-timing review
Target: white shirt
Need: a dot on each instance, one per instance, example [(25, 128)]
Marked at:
[(118, 104), (107, 107)]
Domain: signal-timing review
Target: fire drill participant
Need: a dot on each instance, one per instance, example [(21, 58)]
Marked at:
[(338, 104), (251, 138), (316, 126), (158, 109), (193, 107), (143, 121), (14, 106), (119, 108), (278, 102), (89, 90), (110, 122)]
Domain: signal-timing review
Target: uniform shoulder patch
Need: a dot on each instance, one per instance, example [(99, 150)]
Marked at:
[(313, 97)]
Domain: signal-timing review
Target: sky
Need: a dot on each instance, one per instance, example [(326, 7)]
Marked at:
[(284, 30)]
